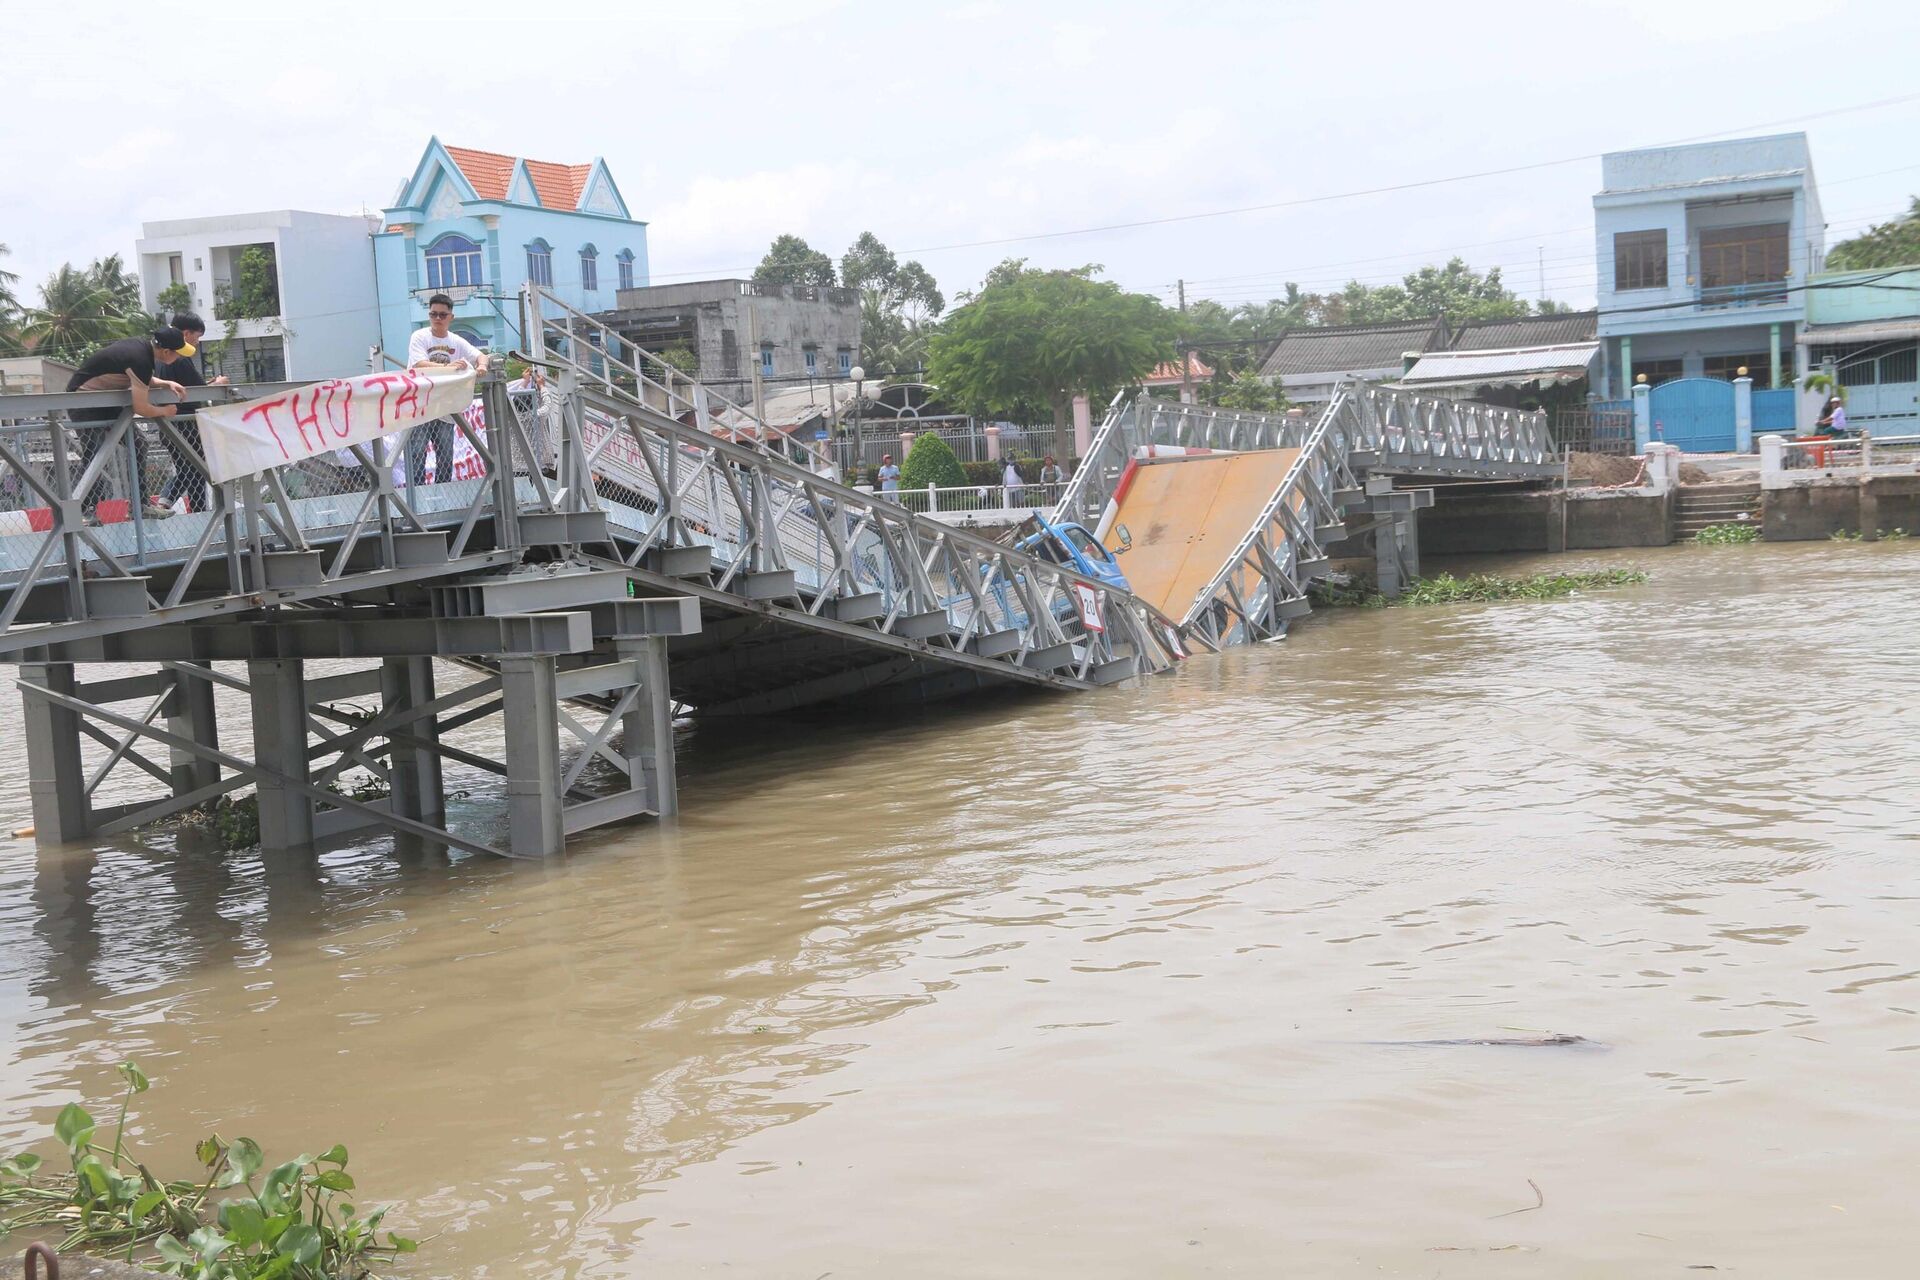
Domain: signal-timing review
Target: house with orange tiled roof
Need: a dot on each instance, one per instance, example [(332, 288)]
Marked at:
[(478, 225)]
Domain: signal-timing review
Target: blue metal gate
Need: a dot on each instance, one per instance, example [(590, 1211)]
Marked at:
[(1694, 413), (1773, 412)]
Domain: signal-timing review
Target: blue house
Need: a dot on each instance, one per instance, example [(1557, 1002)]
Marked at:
[(477, 225), (1704, 252)]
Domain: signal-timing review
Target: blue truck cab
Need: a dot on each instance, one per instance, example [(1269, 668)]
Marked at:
[(1070, 545)]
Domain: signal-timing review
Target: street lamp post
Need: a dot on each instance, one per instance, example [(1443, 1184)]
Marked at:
[(858, 374)]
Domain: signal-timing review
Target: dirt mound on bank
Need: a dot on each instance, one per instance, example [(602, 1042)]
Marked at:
[(1601, 469), (1608, 469)]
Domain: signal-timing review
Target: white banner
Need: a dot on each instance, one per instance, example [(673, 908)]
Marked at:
[(257, 434)]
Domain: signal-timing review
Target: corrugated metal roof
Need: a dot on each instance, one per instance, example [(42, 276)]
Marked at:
[(1562, 362), (1350, 348), (1526, 331), (1866, 331)]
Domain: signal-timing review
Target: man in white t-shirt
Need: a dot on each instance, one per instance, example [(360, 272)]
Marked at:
[(437, 347)]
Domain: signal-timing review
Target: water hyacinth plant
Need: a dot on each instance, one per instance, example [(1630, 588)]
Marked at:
[(229, 1223)]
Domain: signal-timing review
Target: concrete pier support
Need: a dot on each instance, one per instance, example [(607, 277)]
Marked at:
[(54, 779), (279, 691), (536, 825), (418, 792)]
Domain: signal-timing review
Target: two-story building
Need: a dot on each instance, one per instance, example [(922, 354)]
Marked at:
[(789, 334), (477, 225), (1703, 252), (286, 294)]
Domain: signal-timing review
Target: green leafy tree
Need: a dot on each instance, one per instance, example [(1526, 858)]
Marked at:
[(931, 461), (174, 299), (254, 291), (11, 343), (1035, 339), (791, 260), (72, 318), (121, 287), (1454, 290), (898, 301), (1245, 391), (1889, 244)]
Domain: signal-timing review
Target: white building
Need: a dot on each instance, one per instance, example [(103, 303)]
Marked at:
[(307, 292)]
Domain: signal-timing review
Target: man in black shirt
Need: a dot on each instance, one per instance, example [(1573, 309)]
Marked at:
[(126, 365), (189, 474)]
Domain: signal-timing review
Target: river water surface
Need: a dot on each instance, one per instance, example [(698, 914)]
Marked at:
[(1115, 985)]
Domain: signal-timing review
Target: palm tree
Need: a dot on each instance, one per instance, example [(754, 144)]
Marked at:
[(73, 316), (10, 344)]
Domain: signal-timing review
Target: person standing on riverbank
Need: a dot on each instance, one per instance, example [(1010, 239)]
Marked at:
[(889, 474)]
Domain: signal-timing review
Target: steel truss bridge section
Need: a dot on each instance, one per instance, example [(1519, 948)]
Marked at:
[(834, 592), (777, 589), (1340, 486)]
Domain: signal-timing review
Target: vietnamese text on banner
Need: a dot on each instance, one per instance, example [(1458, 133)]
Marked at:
[(257, 434)]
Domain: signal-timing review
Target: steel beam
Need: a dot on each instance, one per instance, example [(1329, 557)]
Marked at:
[(418, 791), (191, 714), (55, 782), (280, 749), (536, 827), (544, 633)]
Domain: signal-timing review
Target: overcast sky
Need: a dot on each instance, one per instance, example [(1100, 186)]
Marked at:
[(939, 125)]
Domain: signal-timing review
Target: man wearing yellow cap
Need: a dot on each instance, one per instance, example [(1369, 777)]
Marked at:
[(189, 477)]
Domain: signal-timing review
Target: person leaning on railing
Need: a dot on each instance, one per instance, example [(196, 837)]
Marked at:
[(126, 365), (189, 479)]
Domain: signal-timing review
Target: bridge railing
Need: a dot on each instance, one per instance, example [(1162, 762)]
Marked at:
[(108, 521), (782, 531), (1409, 433)]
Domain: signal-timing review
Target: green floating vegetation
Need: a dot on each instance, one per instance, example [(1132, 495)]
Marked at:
[(227, 1224), (1475, 588), (1855, 535), (1727, 535), (1479, 587)]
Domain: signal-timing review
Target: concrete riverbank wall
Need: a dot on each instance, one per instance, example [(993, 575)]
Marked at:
[(1596, 519), (1841, 504)]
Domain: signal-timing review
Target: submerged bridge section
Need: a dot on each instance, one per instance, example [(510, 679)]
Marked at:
[(1231, 515), (604, 557)]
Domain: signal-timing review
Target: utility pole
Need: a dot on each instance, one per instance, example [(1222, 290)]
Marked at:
[(1186, 359)]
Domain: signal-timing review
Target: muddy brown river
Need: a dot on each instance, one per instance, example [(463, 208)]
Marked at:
[(1120, 985)]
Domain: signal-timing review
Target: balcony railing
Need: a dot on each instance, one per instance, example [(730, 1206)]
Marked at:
[(1760, 293)]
